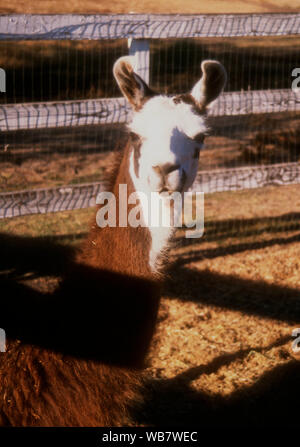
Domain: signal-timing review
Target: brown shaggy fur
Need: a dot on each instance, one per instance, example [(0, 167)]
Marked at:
[(75, 357)]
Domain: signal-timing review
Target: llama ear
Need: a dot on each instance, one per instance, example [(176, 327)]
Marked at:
[(211, 83), (135, 90)]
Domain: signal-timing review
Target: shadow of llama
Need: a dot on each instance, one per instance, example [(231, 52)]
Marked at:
[(76, 357)]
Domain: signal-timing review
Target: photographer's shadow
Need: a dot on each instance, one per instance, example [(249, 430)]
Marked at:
[(93, 313)]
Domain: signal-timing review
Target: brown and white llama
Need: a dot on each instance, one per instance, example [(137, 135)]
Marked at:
[(77, 359)]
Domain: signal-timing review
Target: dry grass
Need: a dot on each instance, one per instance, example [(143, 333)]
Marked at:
[(125, 6), (223, 344), (53, 157), (189, 6), (58, 70), (222, 352), (53, 170)]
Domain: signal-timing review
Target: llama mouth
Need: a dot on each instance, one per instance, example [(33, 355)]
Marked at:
[(165, 191)]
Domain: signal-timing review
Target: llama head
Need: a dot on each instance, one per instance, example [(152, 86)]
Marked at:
[(167, 132)]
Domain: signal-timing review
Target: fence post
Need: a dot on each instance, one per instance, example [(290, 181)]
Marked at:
[(2, 340), (140, 49), (2, 80)]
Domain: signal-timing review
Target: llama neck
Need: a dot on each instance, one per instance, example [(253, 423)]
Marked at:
[(160, 235), (120, 249), (113, 273), (131, 250)]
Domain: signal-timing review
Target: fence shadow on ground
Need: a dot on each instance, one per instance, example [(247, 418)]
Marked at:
[(86, 316), (25, 258), (272, 400), (34, 257), (230, 292), (239, 229)]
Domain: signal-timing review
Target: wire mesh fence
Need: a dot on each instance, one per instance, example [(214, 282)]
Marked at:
[(62, 117)]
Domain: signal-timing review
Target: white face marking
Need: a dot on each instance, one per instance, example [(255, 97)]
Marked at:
[(167, 130), (159, 235)]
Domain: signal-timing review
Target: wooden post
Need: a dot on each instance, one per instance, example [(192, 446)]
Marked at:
[(140, 49), (2, 80), (2, 340)]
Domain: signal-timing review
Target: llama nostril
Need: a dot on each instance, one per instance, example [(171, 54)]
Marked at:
[(157, 169), (164, 189), (166, 168)]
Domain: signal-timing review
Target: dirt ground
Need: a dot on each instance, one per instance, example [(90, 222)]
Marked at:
[(222, 354), (125, 6)]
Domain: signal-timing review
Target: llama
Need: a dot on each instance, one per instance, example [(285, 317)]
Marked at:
[(76, 357)]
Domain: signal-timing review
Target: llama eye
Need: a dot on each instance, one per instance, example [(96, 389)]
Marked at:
[(196, 152), (199, 138)]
